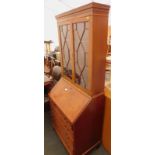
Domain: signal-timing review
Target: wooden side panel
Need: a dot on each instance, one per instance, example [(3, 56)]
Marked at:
[(99, 50), (88, 128), (106, 137)]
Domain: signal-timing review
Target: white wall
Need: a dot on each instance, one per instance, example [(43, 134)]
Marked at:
[(54, 7), (50, 27)]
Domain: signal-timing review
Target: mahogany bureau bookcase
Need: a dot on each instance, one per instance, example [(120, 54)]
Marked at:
[(77, 100)]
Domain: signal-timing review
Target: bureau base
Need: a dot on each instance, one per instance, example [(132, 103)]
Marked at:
[(76, 117)]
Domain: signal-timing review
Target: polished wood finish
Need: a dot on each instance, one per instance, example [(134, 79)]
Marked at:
[(97, 17), (77, 104), (69, 91), (76, 117), (106, 133)]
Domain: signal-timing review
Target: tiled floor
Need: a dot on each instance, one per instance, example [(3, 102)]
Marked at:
[(52, 144)]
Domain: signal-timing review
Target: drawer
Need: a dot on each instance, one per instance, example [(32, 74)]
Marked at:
[(60, 118), (57, 114), (69, 146), (66, 130), (62, 123), (63, 127), (64, 137)]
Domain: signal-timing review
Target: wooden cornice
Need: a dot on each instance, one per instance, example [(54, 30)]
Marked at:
[(91, 7)]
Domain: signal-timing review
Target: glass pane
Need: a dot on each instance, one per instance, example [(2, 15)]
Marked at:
[(81, 53), (65, 38)]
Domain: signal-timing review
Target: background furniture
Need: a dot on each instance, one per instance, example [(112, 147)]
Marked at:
[(47, 44), (48, 66), (77, 100), (49, 83), (47, 87), (47, 80)]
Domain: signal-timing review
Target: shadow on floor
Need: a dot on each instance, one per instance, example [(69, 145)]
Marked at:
[(52, 144)]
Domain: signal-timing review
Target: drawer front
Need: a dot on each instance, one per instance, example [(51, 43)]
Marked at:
[(67, 133), (61, 119), (63, 127)]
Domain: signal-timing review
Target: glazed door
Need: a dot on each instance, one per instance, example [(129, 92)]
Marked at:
[(81, 48), (65, 34), (74, 39)]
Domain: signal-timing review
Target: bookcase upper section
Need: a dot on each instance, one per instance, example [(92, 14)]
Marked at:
[(83, 45)]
